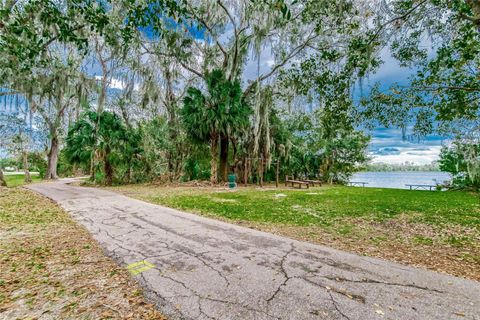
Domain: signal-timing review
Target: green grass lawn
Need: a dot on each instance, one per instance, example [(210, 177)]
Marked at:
[(389, 223), (325, 206), (15, 180)]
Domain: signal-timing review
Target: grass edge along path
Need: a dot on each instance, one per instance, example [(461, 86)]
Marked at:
[(17, 180), (50, 267), (439, 231)]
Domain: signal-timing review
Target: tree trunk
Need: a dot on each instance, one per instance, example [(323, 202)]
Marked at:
[(129, 172), (53, 159), (224, 158), (260, 172), (92, 166), (213, 161), (3, 183), (245, 172), (277, 173), (107, 166), (28, 178), (172, 152)]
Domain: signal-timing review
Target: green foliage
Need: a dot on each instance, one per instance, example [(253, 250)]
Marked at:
[(220, 114), (37, 162), (8, 162), (404, 167), (28, 29), (321, 50), (80, 141), (102, 137), (221, 111), (155, 145), (326, 145), (66, 168), (197, 167), (462, 160), (445, 88)]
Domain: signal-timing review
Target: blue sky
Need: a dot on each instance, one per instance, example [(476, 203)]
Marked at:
[(387, 144)]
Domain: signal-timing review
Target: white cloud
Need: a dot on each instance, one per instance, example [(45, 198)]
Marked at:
[(410, 154), (270, 62), (118, 84)]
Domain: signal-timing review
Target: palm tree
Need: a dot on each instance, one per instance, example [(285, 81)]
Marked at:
[(80, 142), (215, 115), (83, 142)]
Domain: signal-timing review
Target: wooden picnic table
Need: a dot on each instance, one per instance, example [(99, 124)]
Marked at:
[(294, 182), (421, 186), (313, 182), (357, 183)]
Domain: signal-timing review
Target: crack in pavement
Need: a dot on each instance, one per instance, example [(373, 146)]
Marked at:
[(335, 305), (284, 273), (202, 297), (365, 280)]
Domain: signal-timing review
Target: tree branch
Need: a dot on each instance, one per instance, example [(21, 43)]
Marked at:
[(210, 30), (290, 56), (453, 88), (50, 41), (191, 69), (236, 35), (183, 64), (228, 14), (45, 116), (403, 16)]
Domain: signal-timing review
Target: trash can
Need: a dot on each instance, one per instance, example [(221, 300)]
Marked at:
[(231, 181)]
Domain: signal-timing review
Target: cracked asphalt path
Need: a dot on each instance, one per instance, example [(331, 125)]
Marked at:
[(207, 269)]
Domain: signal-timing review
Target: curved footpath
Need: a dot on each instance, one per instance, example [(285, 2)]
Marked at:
[(198, 268)]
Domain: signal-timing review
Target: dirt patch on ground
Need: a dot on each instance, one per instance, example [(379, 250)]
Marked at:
[(403, 245), (51, 268)]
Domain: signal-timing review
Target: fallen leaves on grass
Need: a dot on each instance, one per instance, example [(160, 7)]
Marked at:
[(51, 268)]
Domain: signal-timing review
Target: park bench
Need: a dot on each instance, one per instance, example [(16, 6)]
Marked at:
[(313, 182), (357, 183), (422, 186), (296, 182)]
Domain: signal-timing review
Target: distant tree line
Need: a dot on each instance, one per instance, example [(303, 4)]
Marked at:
[(406, 166)]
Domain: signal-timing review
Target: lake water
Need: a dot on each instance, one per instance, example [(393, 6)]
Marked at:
[(398, 180)]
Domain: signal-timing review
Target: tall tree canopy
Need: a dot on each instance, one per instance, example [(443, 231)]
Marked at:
[(441, 41), (220, 112)]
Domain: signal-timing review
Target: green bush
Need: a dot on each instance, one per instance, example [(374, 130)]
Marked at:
[(38, 162)]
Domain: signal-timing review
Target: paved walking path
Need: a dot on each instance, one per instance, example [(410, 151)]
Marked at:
[(198, 268)]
